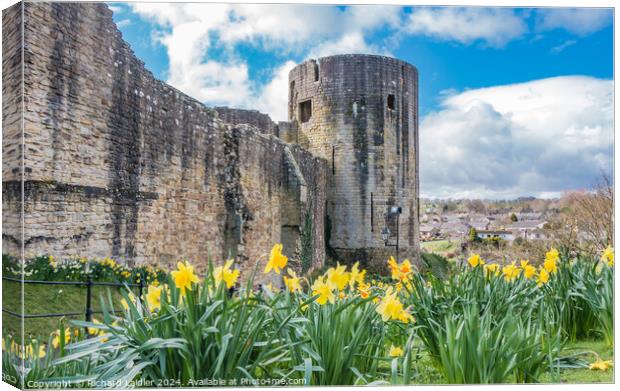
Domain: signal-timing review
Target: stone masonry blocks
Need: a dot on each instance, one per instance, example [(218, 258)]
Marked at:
[(363, 121)]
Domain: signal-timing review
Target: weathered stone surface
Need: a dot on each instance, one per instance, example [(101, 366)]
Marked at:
[(113, 162), (249, 117), (117, 163), (363, 121)]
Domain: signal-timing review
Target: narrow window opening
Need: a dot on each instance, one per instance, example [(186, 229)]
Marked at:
[(305, 111), (372, 213), (333, 160), (316, 71), (391, 100)]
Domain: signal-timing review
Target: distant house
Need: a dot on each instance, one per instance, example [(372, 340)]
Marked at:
[(451, 217), (527, 216), (496, 233), (536, 234), (526, 225), (454, 230), (480, 225), (528, 229)]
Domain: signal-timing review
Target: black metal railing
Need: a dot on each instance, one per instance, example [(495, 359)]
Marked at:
[(89, 283)]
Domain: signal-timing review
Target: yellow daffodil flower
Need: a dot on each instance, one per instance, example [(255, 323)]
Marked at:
[(52, 262), (396, 351), (277, 260), (551, 259), (292, 281), (364, 290), (29, 352), (324, 290), (56, 339), (338, 276), (492, 268), (393, 265), (356, 276), (475, 260), (608, 256), (124, 303), (400, 271), (511, 272), (92, 330), (529, 271), (391, 308), (184, 276), (543, 277), (153, 297), (226, 274), (601, 365)]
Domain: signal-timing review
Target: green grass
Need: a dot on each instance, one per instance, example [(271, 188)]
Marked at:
[(438, 246), (585, 375), (40, 299)]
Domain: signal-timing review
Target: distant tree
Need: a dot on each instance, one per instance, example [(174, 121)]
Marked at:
[(513, 218), (585, 222), (473, 235), (476, 206), (495, 242), (449, 206), (527, 209)]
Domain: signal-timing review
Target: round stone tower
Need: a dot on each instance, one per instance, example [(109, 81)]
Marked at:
[(360, 112)]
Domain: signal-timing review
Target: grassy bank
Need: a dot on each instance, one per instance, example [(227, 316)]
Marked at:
[(42, 299)]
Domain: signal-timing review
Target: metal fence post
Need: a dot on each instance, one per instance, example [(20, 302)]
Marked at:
[(140, 287), (89, 309)]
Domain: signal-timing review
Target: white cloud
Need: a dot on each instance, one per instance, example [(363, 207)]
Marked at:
[(534, 138), (115, 9), (273, 98), (579, 21), (191, 31), (202, 41), (560, 48), (123, 23), (492, 26), (351, 43)]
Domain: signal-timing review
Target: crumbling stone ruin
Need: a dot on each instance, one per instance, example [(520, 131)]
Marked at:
[(102, 159)]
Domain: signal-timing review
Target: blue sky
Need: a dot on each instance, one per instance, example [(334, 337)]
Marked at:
[(478, 66)]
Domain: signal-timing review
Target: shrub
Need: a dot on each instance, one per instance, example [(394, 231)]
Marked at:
[(47, 268)]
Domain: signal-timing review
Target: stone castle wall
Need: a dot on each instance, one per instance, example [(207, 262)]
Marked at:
[(250, 117), (117, 163), (12, 151), (359, 112)]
